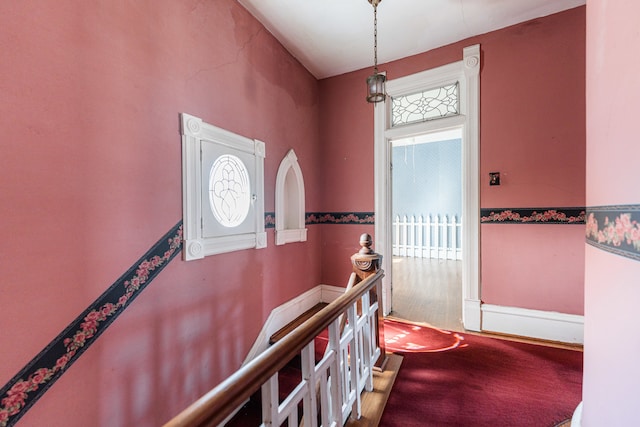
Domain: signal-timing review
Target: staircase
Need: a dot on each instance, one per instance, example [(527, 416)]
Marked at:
[(316, 372)]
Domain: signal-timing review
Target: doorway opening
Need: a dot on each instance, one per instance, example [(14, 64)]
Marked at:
[(427, 228), (408, 111)]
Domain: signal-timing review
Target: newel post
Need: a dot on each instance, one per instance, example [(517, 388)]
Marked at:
[(366, 263)]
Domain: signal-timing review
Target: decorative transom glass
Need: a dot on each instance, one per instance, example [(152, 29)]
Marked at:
[(229, 190), (427, 105)]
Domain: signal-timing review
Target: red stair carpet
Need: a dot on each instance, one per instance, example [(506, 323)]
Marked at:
[(458, 379)]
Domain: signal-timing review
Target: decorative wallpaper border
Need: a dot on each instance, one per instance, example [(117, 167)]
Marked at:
[(269, 220), (312, 218), (340, 218), (573, 215), (28, 385), (615, 229), (32, 381)]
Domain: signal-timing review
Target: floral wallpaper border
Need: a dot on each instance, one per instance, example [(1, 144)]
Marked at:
[(615, 229), (312, 218), (269, 220), (572, 215), (340, 218), (32, 381), (28, 385)]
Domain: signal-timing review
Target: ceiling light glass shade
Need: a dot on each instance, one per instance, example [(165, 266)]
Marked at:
[(375, 87)]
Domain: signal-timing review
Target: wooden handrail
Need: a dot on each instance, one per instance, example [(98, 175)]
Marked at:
[(216, 405)]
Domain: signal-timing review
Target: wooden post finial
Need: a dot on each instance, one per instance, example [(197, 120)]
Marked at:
[(366, 261), (366, 241)]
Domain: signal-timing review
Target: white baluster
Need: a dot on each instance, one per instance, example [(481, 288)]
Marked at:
[(270, 401), (460, 231), (310, 403), (445, 234), (454, 238), (420, 233), (404, 236), (337, 391), (436, 236), (412, 235), (428, 236)]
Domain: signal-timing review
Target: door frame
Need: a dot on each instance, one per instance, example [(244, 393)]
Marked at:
[(467, 74)]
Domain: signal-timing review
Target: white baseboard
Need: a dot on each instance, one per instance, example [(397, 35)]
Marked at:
[(284, 314), (546, 325), (472, 315), (329, 293)]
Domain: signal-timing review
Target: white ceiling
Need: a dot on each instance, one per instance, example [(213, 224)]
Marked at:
[(332, 37)]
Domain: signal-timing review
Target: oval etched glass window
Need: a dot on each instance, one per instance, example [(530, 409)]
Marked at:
[(229, 190)]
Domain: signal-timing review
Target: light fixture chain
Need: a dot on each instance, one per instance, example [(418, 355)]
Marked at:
[(375, 37)]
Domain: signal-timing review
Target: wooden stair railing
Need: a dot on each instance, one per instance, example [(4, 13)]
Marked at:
[(352, 353)]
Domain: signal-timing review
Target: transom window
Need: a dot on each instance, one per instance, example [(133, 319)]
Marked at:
[(426, 105)]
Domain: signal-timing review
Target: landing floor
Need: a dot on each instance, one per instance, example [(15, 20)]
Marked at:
[(428, 291)]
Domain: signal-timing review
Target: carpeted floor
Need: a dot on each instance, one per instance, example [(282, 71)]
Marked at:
[(457, 379)]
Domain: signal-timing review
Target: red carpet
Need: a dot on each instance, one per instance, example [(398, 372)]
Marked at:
[(404, 337), (457, 379)]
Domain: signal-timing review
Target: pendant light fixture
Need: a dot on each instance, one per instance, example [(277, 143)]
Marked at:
[(375, 82)]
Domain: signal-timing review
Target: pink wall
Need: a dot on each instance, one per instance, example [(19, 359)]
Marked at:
[(530, 269), (532, 130), (91, 164), (611, 370), (346, 136)]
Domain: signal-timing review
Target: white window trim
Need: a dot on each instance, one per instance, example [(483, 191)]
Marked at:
[(196, 246), (467, 73)]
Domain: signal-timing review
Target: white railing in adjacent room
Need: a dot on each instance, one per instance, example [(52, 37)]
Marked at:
[(432, 236)]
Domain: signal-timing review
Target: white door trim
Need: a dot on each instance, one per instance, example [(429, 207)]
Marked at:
[(467, 74)]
